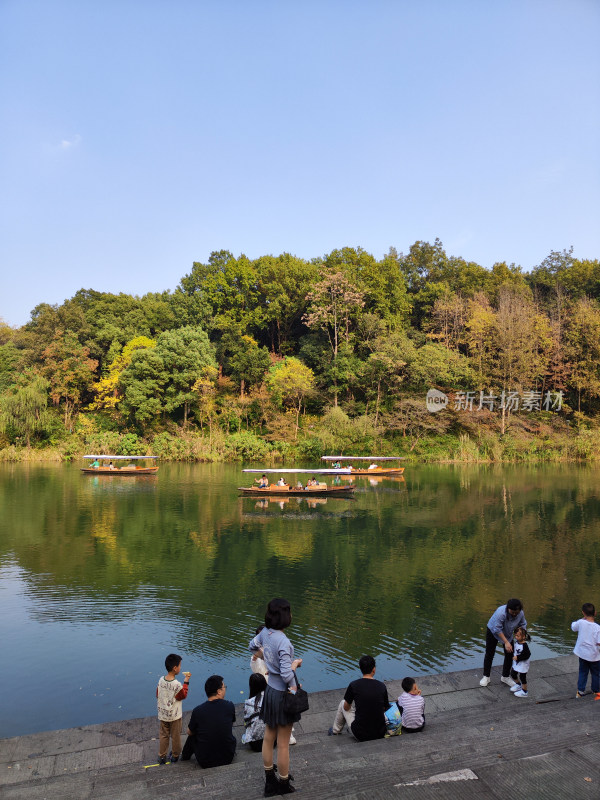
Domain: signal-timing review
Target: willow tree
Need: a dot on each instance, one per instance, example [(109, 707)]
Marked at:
[(24, 409)]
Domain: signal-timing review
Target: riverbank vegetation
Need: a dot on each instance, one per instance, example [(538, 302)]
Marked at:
[(285, 358)]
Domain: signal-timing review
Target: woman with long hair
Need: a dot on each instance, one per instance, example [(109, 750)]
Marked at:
[(278, 653)]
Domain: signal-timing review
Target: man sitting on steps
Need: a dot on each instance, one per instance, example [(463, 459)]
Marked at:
[(370, 698), (210, 736)]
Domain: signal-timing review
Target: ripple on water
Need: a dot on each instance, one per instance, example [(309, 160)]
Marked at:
[(181, 565)]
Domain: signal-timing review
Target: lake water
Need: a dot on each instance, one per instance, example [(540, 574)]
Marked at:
[(101, 577)]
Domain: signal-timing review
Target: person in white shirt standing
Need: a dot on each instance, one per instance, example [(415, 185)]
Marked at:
[(587, 648)]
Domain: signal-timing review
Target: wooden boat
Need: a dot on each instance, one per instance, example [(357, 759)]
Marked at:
[(374, 468), (290, 491), (274, 490), (105, 466)]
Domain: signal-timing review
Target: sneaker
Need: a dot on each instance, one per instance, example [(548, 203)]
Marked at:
[(174, 759), (579, 694), (597, 696), (516, 687), (162, 761), (331, 732), (521, 693), (485, 681), (292, 739), (508, 681)]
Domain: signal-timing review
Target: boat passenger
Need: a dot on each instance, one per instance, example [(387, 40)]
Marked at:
[(373, 466), (263, 482), (299, 485), (281, 482), (312, 482), (95, 464), (111, 465)]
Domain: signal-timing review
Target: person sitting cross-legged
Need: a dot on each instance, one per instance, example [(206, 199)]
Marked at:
[(366, 720)]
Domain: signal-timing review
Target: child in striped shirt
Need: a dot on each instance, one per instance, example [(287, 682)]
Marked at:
[(412, 706)]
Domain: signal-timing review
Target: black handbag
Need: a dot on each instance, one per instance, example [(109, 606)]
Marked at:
[(295, 703)]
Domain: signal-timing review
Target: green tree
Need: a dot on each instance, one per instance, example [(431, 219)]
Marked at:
[(185, 353), (583, 349), (143, 384), (290, 382), (9, 361), (435, 365), (507, 277), (226, 287), (242, 357), (334, 302), (385, 291), (424, 263), (107, 389), (385, 366), (283, 283), (24, 409), (161, 379)]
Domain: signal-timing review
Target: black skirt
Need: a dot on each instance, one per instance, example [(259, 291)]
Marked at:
[(272, 712)]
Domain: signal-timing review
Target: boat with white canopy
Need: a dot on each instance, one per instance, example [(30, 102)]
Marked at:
[(104, 465), (374, 467), (281, 488)]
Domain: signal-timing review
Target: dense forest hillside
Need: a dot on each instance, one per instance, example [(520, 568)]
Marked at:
[(282, 357)]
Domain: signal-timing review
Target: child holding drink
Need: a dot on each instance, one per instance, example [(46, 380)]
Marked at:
[(169, 695)]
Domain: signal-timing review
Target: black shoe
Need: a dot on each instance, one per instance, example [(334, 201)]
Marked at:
[(174, 759), (285, 787), (162, 761), (272, 785)]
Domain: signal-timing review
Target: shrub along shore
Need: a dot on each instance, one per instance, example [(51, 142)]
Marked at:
[(469, 437)]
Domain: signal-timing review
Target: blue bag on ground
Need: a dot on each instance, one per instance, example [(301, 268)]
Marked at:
[(393, 720)]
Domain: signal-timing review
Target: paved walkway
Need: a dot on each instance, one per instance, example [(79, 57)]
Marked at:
[(477, 744)]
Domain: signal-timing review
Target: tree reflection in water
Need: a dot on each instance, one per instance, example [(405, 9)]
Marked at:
[(407, 570)]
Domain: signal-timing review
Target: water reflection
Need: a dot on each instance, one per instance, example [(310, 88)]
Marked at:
[(116, 571)]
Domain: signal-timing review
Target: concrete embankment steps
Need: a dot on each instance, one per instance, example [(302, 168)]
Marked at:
[(478, 743)]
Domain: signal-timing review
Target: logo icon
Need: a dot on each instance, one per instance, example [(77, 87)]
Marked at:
[(436, 401)]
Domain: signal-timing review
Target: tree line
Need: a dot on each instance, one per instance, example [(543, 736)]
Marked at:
[(266, 349)]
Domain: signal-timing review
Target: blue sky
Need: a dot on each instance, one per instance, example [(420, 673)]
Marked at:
[(138, 136)]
